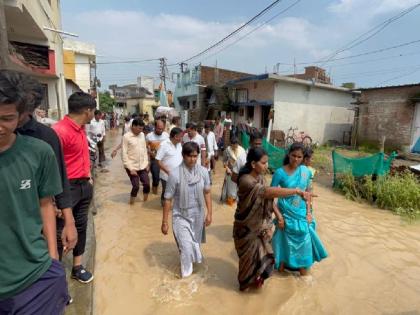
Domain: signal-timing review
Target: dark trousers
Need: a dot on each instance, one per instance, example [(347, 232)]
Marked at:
[(212, 162), (155, 170), (47, 295), (81, 195), (143, 177), (162, 196), (101, 151)]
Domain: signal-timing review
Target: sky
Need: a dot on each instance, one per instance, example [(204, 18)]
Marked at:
[(310, 31)]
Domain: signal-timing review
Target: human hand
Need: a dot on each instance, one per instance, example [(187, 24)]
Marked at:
[(280, 223), (133, 173), (208, 219), (164, 228), (114, 153), (69, 237), (309, 217), (58, 213)]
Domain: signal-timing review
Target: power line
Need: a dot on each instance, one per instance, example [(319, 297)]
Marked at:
[(255, 29), (400, 76), (370, 52), (372, 32), (112, 62), (254, 18)]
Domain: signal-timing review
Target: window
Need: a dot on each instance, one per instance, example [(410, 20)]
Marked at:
[(242, 96)]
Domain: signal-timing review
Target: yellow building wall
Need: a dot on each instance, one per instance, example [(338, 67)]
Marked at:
[(148, 106), (69, 65)]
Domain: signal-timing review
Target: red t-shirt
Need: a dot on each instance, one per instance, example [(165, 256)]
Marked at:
[(75, 147)]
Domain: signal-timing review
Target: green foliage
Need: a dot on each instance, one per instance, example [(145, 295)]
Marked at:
[(399, 193), (106, 102)]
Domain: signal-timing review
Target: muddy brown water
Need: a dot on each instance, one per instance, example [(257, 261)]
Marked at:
[(373, 265)]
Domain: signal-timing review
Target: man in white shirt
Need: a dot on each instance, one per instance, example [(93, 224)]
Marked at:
[(255, 141), (210, 139), (154, 139), (193, 136), (96, 130), (136, 159), (169, 156)]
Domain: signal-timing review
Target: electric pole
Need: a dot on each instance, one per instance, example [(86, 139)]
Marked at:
[(163, 71), (4, 43)]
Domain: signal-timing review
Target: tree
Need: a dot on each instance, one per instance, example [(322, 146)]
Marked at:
[(106, 102)]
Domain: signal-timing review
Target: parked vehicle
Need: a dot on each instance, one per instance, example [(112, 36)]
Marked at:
[(294, 136)]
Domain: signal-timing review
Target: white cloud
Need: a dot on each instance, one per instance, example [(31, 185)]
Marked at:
[(370, 8), (135, 34)]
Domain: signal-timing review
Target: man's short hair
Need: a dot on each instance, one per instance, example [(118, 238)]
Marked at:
[(97, 112), (191, 125), (175, 119), (175, 131), (256, 135), (80, 101), (34, 92), (137, 122), (12, 89), (159, 120)]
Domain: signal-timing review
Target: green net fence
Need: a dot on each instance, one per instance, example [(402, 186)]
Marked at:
[(371, 165), (275, 154)]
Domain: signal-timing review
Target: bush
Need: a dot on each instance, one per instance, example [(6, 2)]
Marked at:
[(399, 193)]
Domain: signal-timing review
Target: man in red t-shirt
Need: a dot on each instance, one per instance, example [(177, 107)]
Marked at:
[(72, 134)]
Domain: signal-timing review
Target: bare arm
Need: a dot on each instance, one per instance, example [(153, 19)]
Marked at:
[(49, 226), (165, 216), (234, 178), (207, 199), (275, 192), (69, 234)]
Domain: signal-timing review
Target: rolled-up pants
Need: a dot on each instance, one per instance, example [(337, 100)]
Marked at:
[(143, 177)]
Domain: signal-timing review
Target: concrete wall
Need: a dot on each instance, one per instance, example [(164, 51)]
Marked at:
[(388, 112), (82, 69), (25, 23), (322, 113)]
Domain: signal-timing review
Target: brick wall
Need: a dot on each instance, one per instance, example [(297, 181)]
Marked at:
[(258, 90), (387, 111), (216, 76)]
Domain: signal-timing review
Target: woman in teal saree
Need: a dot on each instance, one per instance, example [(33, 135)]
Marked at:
[(296, 244)]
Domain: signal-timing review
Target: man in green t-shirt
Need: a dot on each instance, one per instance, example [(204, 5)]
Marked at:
[(32, 281)]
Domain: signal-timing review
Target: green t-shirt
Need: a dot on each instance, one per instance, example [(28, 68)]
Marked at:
[(28, 172)]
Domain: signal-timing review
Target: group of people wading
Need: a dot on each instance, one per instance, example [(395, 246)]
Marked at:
[(263, 241)]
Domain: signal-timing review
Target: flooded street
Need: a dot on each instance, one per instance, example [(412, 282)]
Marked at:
[(373, 265)]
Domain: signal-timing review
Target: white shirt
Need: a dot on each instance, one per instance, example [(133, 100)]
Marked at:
[(211, 143), (152, 137), (96, 129), (197, 139), (240, 162), (170, 156)]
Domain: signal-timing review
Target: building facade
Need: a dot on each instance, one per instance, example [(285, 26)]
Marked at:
[(392, 112), (31, 48), (80, 65), (323, 111), (194, 89)]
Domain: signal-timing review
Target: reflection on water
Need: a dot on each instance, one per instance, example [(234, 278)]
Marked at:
[(373, 267)]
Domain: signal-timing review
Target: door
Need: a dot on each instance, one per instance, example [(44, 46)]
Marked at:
[(415, 143)]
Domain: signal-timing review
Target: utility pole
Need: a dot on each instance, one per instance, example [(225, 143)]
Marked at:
[(4, 42), (163, 71)]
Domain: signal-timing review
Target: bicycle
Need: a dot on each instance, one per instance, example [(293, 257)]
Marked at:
[(300, 137)]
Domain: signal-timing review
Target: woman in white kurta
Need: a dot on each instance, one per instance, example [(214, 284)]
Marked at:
[(188, 187)]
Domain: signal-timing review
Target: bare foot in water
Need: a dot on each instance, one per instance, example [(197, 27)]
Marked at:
[(281, 268)]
